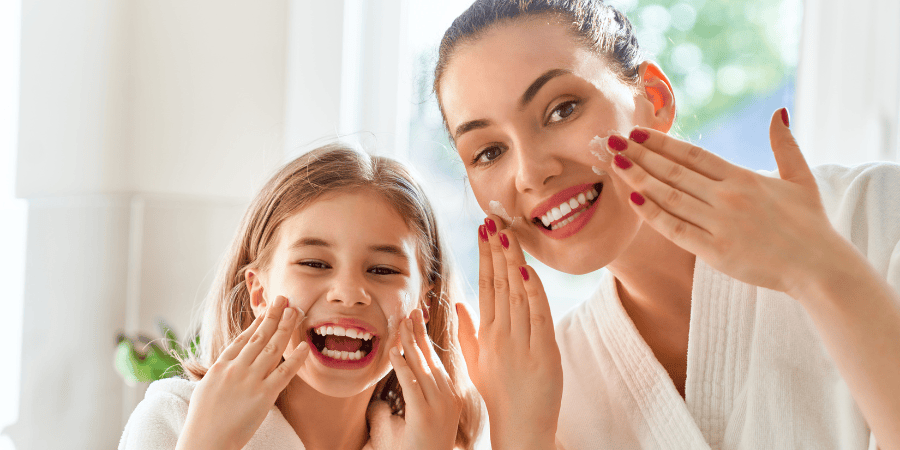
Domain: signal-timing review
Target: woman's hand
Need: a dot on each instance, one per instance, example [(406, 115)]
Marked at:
[(433, 404), (232, 400), (764, 231), (513, 360)]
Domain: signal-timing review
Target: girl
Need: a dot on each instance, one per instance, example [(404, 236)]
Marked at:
[(738, 311), (339, 257)]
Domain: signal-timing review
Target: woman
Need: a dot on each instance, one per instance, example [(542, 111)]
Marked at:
[(739, 310)]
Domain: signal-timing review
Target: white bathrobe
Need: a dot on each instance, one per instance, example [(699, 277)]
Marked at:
[(758, 374), (158, 420)]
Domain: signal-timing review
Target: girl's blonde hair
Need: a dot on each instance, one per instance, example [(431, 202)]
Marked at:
[(332, 169)]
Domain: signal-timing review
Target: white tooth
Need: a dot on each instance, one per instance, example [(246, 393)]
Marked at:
[(329, 330), (327, 352), (591, 194), (581, 198), (351, 333), (594, 191), (351, 356), (565, 209), (339, 331), (573, 203), (345, 355), (368, 336), (545, 220), (556, 213), (358, 354)]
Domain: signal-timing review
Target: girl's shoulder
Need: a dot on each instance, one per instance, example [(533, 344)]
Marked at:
[(159, 418)]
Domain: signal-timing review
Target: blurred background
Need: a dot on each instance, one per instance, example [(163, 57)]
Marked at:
[(133, 134)]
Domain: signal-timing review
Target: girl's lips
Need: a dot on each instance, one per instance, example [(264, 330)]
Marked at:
[(346, 323)]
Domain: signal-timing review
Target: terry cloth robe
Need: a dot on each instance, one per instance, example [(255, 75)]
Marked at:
[(158, 420), (758, 374)]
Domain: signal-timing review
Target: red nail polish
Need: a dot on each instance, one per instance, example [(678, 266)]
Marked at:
[(785, 118), (639, 136), (616, 143), (504, 241), (638, 199), (622, 162), (482, 233), (491, 226), (524, 273)]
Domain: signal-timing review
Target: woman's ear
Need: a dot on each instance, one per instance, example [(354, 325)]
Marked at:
[(658, 97), (257, 291)]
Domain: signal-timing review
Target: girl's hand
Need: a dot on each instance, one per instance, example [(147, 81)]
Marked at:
[(514, 360), (433, 405), (764, 231), (232, 400)]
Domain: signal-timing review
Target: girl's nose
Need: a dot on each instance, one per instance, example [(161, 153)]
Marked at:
[(537, 165), (349, 290)]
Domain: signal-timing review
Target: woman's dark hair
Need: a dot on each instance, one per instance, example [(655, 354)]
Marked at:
[(599, 26)]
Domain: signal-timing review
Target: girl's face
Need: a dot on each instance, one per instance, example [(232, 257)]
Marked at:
[(349, 261), (522, 103)]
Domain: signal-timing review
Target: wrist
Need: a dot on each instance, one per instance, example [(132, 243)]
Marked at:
[(833, 279), (522, 439)]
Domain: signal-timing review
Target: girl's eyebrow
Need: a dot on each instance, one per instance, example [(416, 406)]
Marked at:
[(310, 242), (317, 242), (391, 250), (527, 97)]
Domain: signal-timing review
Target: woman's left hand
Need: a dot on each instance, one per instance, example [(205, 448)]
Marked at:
[(433, 405), (769, 232)]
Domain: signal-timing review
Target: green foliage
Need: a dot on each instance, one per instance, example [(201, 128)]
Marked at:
[(140, 360)]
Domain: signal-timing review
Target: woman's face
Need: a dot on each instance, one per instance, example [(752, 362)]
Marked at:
[(349, 261), (523, 103)]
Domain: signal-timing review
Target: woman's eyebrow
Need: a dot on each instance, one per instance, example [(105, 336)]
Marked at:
[(527, 97)]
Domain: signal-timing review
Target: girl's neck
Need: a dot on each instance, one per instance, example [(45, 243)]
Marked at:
[(324, 422)]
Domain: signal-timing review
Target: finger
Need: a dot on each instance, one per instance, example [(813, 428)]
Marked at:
[(485, 278), (285, 372), (468, 340), (684, 234), (519, 315), (666, 170), (271, 354), (235, 347), (500, 278), (543, 336), (260, 338), (416, 361), (689, 155), (412, 393), (425, 344), (792, 166), (673, 200)]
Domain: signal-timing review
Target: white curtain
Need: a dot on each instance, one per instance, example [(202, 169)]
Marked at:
[(848, 81)]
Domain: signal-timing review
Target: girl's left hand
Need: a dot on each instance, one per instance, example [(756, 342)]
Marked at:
[(764, 231), (433, 404)]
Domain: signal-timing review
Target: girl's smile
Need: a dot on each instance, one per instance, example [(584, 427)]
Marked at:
[(343, 343)]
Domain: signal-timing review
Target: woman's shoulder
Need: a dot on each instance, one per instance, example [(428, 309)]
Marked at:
[(159, 418)]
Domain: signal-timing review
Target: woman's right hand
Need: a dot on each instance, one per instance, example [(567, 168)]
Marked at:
[(513, 360), (233, 398)]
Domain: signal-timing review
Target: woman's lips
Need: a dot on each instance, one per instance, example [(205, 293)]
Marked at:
[(575, 225), (565, 206)]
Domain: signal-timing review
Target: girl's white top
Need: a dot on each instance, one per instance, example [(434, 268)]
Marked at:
[(758, 374), (158, 420)]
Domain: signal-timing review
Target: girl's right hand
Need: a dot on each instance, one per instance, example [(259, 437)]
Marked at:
[(514, 360), (233, 398)]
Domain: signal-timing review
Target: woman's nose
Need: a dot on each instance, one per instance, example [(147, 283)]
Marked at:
[(537, 165), (349, 290)]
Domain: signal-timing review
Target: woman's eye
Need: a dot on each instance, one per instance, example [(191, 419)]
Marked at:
[(562, 111), (381, 270), (315, 264), (487, 156)]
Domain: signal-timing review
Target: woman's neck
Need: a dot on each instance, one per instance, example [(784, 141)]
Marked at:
[(324, 422), (655, 279)]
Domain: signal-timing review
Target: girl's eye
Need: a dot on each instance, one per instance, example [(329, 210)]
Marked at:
[(562, 111), (315, 264), (382, 270), (487, 156)]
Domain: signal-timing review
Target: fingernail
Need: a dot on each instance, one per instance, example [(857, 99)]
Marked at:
[(785, 118), (524, 273), (289, 313), (622, 162), (639, 136), (504, 241), (482, 233), (491, 226), (638, 199), (616, 143)]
